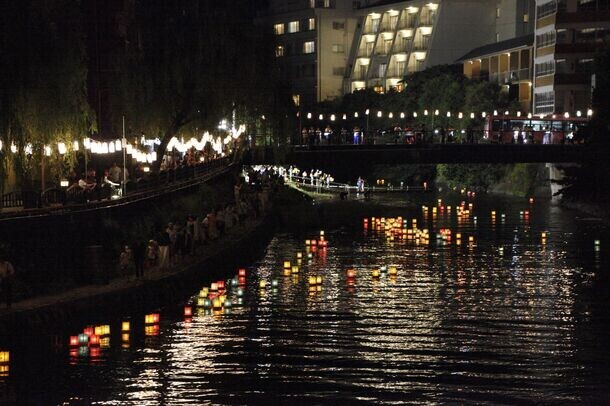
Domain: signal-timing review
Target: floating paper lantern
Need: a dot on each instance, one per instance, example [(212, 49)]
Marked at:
[(188, 311), (240, 292), (73, 341), (204, 292), (393, 271), (312, 280), (299, 255), (319, 280), (83, 339), (94, 340), (216, 304), (242, 280), (543, 234), (375, 273), (295, 269), (125, 326), (242, 273), (88, 331), (286, 264), (384, 269), (152, 318), (351, 274), (262, 284), (531, 200), (228, 304), (234, 282), (274, 283), (221, 285), (214, 287)]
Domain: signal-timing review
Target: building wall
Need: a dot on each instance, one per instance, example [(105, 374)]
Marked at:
[(568, 35), (455, 34), (335, 37), (514, 18)]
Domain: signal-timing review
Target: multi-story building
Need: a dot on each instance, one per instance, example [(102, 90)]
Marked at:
[(397, 38), (313, 41), (507, 63), (568, 34)]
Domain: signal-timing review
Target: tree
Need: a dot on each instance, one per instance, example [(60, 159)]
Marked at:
[(43, 76), (188, 64)]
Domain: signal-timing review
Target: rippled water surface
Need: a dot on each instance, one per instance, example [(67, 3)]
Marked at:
[(508, 319)]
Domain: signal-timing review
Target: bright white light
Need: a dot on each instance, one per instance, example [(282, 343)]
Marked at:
[(75, 146), (367, 112), (402, 115), (436, 112), (448, 114), (87, 143), (356, 114), (117, 145), (589, 112), (61, 147), (47, 150), (309, 116), (332, 117), (415, 114), (471, 115), (321, 117), (578, 113), (566, 114)]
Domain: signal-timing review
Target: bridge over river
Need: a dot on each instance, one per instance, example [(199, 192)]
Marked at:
[(336, 156)]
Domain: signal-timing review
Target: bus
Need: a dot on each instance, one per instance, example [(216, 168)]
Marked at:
[(535, 130)]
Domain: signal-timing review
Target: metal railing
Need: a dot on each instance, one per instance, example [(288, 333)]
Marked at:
[(152, 184)]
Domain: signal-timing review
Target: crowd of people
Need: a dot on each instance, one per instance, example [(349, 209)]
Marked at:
[(190, 235)]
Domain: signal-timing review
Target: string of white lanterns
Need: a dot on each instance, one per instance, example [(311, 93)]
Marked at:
[(113, 146), (436, 112)]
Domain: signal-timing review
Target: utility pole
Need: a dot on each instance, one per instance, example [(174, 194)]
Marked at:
[(124, 147)]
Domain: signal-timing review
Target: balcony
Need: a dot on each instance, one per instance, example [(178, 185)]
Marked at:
[(359, 75), (579, 48), (370, 29), (364, 53), (401, 46), (388, 26), (573, 79), (395, 73), (585, 16), (421, 45)]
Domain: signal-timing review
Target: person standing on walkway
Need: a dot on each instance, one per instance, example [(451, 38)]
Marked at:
[(7, 273), (139, 256)]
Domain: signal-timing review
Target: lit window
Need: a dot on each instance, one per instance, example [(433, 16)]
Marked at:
[(327, 3), (497, 12), (526, 18), (497, 37), (338, 48), (279, 29), (293, 27), (312, 24), (312, 3), (309, 47), (296, 98), (279, 51)]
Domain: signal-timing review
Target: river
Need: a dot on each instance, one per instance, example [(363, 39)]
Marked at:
[(515, 316)]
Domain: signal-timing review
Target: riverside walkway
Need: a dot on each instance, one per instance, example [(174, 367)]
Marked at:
[(56, 201)]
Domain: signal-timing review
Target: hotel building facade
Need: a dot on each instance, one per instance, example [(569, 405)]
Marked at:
[(539, 50)]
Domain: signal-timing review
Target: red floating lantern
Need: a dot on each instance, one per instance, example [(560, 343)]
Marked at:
[(88, 331), (221, 285), (188, 311), (94, 340), (351, 274), (241, 273), (73, 341), (242, 280)]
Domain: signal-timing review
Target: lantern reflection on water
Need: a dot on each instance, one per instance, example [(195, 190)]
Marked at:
[(152, 330)]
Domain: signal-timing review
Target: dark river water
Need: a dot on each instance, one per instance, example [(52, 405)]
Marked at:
[(511, 318)]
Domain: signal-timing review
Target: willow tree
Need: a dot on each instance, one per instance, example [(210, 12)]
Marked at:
[(187, 64), (43, 75)]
